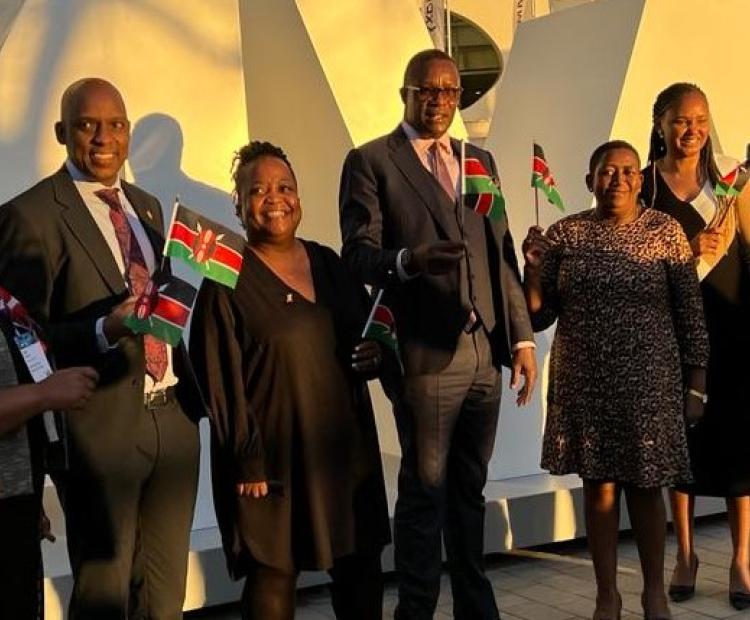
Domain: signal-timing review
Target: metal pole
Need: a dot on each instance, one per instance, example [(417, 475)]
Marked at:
[(448, 38), (536, 189)]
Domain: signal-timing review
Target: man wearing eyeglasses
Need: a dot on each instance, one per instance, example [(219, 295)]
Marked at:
[(451, 279)]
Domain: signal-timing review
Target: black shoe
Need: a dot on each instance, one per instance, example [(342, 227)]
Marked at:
[(739, 600), (682, 593)]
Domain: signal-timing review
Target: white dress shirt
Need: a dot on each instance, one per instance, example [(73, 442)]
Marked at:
[(99, 211)]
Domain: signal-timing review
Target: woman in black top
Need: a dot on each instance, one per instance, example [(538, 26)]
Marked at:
[(681, 180), (297, 476)]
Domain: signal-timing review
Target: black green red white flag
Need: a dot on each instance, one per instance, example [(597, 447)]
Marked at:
[(163, 310), (479, 190), (541, 178), (731, 184), (211, 249), (381, 326)]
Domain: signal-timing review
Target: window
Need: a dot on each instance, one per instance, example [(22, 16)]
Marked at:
[(479, 62)]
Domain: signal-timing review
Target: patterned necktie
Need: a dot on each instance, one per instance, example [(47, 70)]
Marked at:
[(439, 170), (137, 275)]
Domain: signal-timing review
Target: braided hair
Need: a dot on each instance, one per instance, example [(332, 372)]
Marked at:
[(247, 155), (666, 99)]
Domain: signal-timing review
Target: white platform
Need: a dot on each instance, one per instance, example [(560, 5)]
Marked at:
[(521, 512)]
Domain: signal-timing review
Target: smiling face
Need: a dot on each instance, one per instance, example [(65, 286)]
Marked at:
[(270, 205), (95, 130), (685, 125), (431, 115), (616, 182)]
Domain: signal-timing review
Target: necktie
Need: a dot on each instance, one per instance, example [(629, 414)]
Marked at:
[(439, 170), (136, 274)]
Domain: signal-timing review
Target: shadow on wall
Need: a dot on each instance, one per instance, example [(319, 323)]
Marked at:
[(155, 160), (156, 147), (56, 22), (9, 10), (18, 151)]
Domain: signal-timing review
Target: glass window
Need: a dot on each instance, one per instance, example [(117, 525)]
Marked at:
[(479, 62)]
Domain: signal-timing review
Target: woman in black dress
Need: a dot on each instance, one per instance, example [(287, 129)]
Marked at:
[(297, 476), (22, 448), (680, 180)]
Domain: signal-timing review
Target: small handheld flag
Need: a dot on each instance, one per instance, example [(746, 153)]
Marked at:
[(731, 184), (381, 326), (541, 179), (211, 249), (726, 191), (479, 190), (163, 311)]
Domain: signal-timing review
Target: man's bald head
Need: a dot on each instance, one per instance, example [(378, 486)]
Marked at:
[(78, 88), (94, 128)]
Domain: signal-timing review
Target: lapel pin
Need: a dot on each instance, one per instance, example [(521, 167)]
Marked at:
[(289, 298)]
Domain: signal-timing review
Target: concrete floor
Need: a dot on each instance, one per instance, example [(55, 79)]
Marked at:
[(556, 582)]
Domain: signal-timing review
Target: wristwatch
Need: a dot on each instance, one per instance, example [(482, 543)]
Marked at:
[(701, 395), (406, 259)]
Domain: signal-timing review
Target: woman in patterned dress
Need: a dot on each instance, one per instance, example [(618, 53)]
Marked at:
[(680, 180), (620, 281)]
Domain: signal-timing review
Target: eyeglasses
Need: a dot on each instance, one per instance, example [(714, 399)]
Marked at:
[(423, 93)]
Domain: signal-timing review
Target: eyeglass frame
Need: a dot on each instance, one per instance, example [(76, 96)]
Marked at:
[(425, 93)]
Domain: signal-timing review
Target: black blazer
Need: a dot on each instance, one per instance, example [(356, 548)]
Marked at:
[(55, 260), (389, 201)]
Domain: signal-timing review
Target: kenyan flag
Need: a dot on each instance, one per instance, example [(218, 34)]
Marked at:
[(163, 311), (732, 183), (381, 326), (480, 191), (211, 249), (541, 178)]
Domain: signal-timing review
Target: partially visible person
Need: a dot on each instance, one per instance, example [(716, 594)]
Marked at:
[(680, 180), (630, 340), (79, 248), (23, 451), (297, 476)]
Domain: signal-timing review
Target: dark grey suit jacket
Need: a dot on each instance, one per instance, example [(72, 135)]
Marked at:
[(55, 260), (389, 201)]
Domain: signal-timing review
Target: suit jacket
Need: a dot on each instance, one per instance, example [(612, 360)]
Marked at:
[(389, 201), (55, 260)]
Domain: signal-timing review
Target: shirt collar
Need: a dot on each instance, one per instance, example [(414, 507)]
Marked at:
[(84, 183), (422, 145)]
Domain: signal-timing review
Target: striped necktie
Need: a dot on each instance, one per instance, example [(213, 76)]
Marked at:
[(136, 274)]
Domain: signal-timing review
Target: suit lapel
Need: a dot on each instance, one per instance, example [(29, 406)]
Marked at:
[(83, 227), (425, 186)]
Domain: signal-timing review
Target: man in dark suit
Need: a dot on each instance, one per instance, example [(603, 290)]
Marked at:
[(78, 248), (451, 279)]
